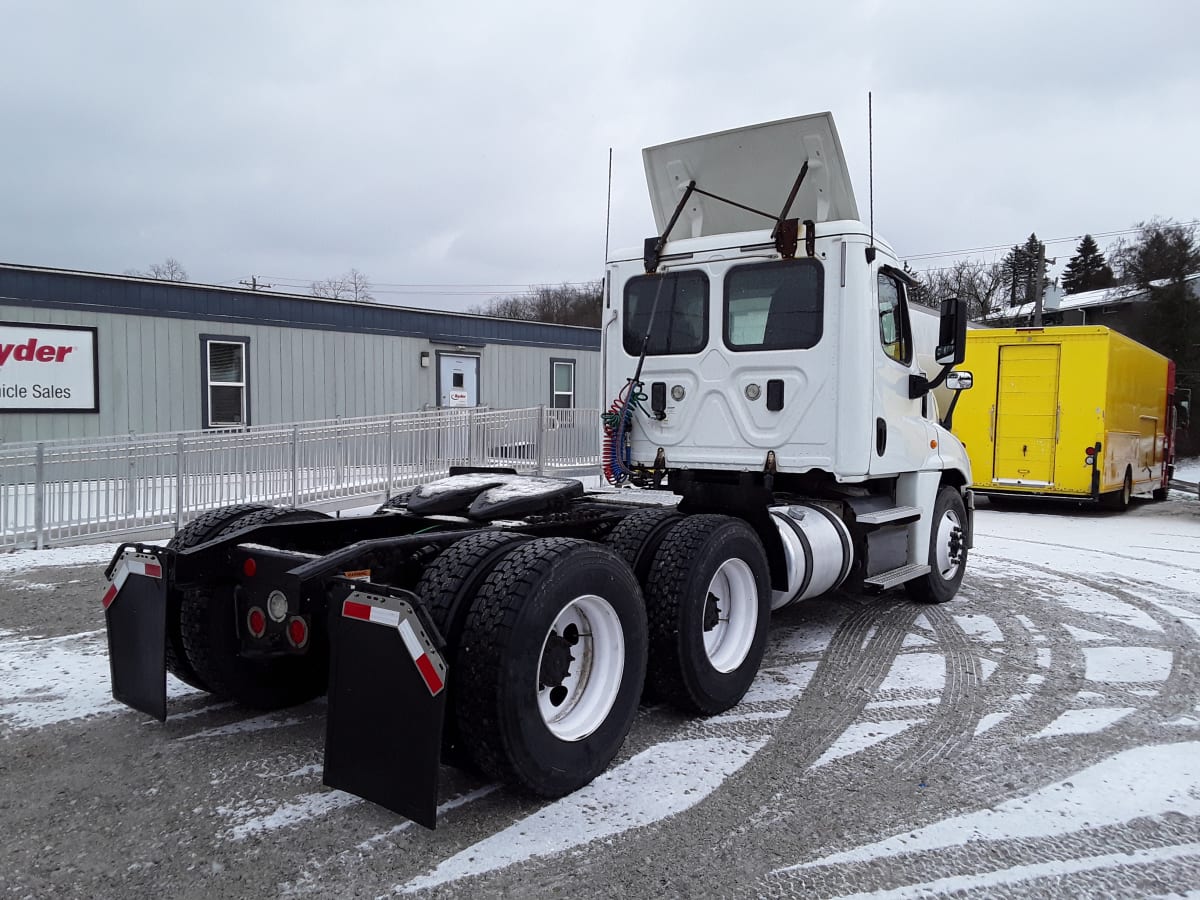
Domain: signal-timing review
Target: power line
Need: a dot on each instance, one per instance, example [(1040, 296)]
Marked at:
[(1061, 240)]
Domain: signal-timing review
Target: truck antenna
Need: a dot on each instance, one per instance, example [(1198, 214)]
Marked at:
[(871, 175), (608, 208)]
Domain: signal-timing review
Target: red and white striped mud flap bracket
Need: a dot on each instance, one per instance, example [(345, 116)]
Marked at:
[(387, 699), (135, 614)]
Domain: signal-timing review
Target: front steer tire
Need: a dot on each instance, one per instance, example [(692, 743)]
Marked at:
[(947, 550), (209, 629), (557, 618)]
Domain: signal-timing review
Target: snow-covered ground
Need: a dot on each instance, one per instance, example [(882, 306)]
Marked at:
[(1070, 640)]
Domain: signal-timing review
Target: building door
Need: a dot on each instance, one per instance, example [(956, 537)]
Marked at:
[(458, 393), (1027, 415), (458, 380)]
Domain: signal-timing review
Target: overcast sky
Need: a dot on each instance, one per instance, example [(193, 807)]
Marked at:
[(465, 145)]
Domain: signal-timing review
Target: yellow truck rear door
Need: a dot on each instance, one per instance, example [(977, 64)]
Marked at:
[(1026, 415)]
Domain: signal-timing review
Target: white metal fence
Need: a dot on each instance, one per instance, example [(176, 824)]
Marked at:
[(57, 492)]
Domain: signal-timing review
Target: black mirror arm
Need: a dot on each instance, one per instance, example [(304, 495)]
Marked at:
[(919, 385), (948, 419)]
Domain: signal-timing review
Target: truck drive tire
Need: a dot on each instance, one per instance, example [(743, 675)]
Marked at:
[(947, 550), (708, 602), (447, 588), (210, 640), (551, 661), (636, 538), (200, 530)]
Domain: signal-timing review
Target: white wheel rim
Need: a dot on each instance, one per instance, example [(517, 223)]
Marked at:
[(947, 564), (733, 596), (579, 703)]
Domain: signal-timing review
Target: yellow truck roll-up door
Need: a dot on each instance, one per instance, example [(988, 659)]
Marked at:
[(1026, 415)]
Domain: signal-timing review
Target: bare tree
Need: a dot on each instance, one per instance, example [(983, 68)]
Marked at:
[(169, 269), (981, 284), (353, 285), (564, 304)]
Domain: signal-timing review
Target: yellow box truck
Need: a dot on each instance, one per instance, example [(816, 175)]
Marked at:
[(1081, 412)]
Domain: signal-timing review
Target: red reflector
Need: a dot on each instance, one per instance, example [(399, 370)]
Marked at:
[(354, 610), (256, 620), (432, 680), (249, 567), (298, 632), (1090, 451)]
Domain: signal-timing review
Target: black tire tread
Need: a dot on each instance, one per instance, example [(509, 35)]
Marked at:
[(460, 570), (447, 588), (665, 598), (630, 537), (487, 632), (198, 531)]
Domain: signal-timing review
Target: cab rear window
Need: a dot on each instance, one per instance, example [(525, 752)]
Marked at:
[(774, 306), (672, 307)]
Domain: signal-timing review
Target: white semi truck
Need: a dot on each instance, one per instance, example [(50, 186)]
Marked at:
[(760, 361)]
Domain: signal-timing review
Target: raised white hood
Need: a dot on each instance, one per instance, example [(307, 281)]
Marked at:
[(755, 166)]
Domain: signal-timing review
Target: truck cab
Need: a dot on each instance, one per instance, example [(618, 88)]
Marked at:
[(791, 365)]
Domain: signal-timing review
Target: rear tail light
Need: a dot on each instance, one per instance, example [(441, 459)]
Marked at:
[(256, 622), (297, 632), (1090, 453)]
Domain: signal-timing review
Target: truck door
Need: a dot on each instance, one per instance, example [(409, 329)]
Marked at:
[(901, 432), (1026, 415)]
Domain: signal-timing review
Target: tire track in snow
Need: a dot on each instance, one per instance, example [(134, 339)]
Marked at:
[(1113, 791), (952, 726)]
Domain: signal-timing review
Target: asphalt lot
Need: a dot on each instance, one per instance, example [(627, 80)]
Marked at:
[(1039, 735)]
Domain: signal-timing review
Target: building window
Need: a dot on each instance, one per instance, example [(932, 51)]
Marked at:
[(893, 320), (226, 404), (562, 383)]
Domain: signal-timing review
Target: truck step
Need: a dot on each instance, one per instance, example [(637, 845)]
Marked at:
[(885, 580), (897, 515)]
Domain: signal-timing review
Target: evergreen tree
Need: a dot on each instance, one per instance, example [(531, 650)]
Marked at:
[(1015, 269), (1087, 269), (1018, 271)]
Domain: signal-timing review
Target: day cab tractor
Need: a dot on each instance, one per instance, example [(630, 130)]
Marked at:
[(771, 439)]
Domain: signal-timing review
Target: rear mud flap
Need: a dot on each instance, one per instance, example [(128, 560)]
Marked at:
[(387, 700), (135, 614)]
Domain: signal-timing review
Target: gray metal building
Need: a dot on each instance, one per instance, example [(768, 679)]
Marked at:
[(85, 354)]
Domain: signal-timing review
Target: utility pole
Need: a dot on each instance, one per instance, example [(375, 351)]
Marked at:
[(254, 284), (1039, 273)]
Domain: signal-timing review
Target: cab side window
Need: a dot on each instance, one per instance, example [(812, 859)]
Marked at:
[(894, 331)]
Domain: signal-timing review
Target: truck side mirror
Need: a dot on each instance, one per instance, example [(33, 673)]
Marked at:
[(1184, 406), (959, 381), (952, 335)]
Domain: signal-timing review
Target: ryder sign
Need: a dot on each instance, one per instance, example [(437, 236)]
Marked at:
[(47, 368)]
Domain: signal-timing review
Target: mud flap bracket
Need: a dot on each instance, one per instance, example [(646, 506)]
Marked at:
[(387, 699), (135, 616)]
